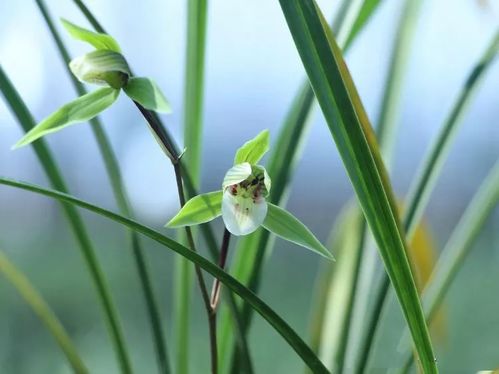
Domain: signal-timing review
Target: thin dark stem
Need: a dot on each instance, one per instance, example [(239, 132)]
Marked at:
[(212, 323), (164, 141), (171, 152), (215, 291)]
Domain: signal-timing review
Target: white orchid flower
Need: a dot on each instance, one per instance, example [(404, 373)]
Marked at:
[(242, 202)]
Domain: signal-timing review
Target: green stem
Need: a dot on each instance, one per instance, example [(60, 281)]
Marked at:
[(27, 122), (158, 131), (215, 291), (426, 178), (89, 16), (114, 174), (41, 308)]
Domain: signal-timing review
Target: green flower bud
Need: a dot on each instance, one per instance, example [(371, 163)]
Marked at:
[(103, 67)]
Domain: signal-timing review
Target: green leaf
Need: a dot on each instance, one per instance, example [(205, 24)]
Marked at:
[(359, 342), (80, 110), (148, 94), (122, 201), (279, 325), (253, 150), (200, 209), (40, 307), (456, 251), (356, 143), (101, 67), (253, 250), (368, 8), (284, 224), (98, 40), (426, 177), (337, 296), (197, 15), (85, 245)]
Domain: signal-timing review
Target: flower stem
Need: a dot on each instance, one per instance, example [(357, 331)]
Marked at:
[(174, 157), (215, 291)]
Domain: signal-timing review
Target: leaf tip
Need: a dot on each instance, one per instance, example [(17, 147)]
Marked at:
[(173, 223), (20, 143)]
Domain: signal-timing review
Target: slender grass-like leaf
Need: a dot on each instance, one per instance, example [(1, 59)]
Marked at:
[(89, 16), (390, 105), (386, 133), (194, 85), (44, 155), (118, 188), (193, 140), (458, 248), (425, 179), (368, 8), (250, 253), (280, 326), (356, 143), (40, 307), (338, 295)]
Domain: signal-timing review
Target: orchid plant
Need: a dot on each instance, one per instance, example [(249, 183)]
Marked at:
[(242, 202)]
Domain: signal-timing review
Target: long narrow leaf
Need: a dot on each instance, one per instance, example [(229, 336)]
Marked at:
[(251, 250), (425, 180), (293, 339), (193, 136), (50, 167), (116, 180), (338, 292), (386, 131), (356, 143), (368, 8), (458, 247), (40, 307)]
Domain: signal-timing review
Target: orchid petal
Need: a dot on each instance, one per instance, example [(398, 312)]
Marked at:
[(242, 215), (266, 178), (236, 174)]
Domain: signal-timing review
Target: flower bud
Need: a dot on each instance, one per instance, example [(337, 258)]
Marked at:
[(101, 67)]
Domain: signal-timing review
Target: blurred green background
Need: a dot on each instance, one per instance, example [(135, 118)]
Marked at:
[(252, 73)]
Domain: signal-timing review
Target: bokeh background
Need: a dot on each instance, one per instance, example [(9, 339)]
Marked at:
[(253, 71)]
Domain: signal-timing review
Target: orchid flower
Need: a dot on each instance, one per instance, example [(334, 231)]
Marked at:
[(242, 202), (105, 66)]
